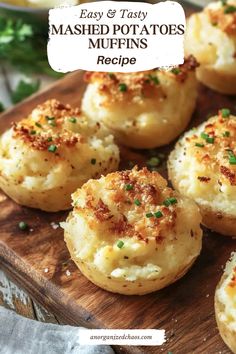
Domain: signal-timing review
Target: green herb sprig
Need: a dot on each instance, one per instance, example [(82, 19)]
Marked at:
[(24, 89), (23, 47)]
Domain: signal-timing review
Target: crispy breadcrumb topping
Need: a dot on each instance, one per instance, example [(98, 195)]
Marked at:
[(224, 17), (215, 146), (54, 108), (51, 125), (146, 84), (43, 140), (138, 204)]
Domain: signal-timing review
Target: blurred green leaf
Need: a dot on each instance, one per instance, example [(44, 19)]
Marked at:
[(24, 48), (24, 89), (2, 108)]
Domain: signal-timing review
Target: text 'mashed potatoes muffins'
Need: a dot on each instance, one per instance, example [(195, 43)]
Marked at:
[(47, 156), (203, 167), (144, 109), (211, 38), (131, 234), (225, 304)]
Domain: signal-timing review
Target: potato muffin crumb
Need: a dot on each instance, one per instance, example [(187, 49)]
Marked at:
[(129, 228), (143, 109), (211, 38), (203, 167), (48, 155)]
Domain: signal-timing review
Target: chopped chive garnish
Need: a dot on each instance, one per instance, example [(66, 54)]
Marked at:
[(72, 120), (208, 138), (38, 125), (49, 139), (52, 123), (154, 79), (225, 112), (111, 76), (230, 9), (176, 71), (93, 161), (122, 87), (204, 135), (120, 244), (170, 201), (226, 134), (128, 187), (52, 148), (32, 132), (137, 202), (232, 158), (224, 2), (149, 215), (199, 145), (158, 214), (153, 161), (50, 118), (23, 225)]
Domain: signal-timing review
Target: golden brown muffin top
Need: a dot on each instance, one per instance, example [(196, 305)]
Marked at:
[(224, 17), (145, 84), (215, 146), (51, 125), (140, 204)]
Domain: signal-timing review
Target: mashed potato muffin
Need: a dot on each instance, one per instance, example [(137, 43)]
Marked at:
[(144, 109), (203, 167), (225, 304), (48, 155), (131, 234), (211, 38)]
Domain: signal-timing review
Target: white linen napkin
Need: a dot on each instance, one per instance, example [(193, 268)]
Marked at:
[(20, 335)]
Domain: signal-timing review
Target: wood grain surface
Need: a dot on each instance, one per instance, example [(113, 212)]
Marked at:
[(14, 298), (39, 261)]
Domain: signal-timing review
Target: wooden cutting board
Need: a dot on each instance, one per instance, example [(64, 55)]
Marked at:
[(39, 261)]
